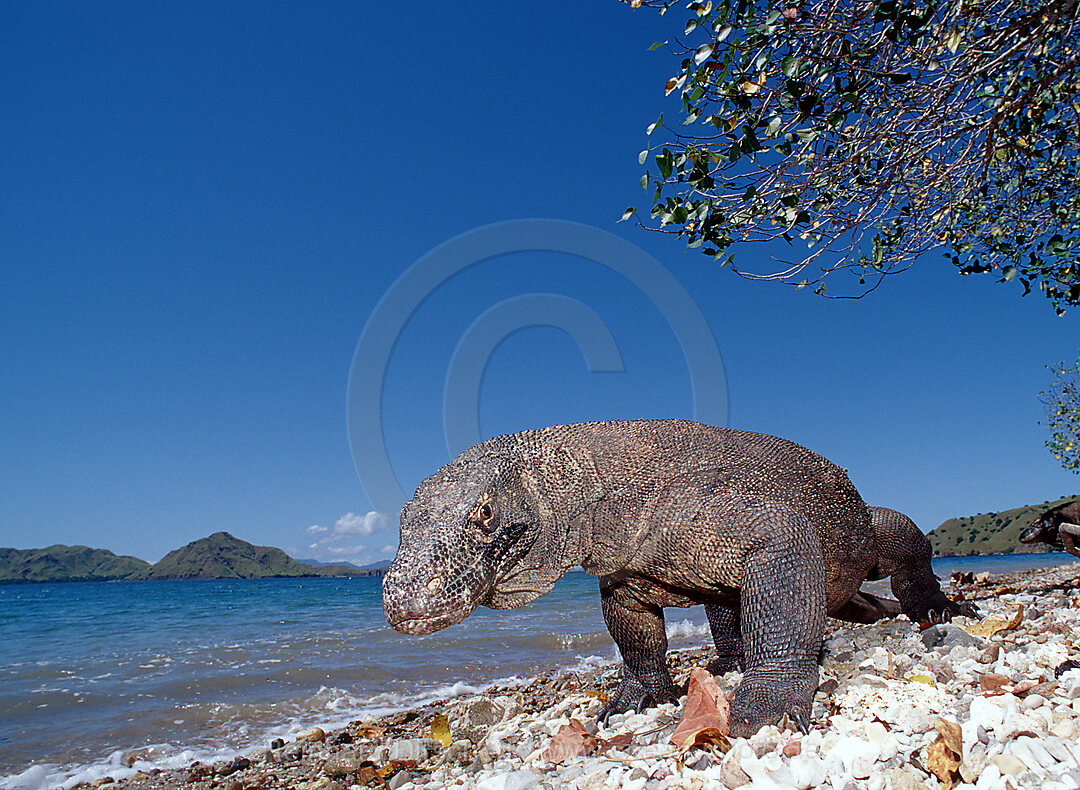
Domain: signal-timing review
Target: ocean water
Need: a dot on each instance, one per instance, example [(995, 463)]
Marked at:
[(208, 669)]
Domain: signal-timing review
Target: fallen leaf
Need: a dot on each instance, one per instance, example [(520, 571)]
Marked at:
[(707, 709), (367, 775), (943, 762), (922, 679), (992, 625), (950, 731), (620, 741), (571, 740), (599, 694), (440, 729), (706, 736)]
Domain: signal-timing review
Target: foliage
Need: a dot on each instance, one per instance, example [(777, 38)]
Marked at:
[(1062, 402), (875, 131)]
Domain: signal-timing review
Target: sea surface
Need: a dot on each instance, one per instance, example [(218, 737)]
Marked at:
[(208, 669)]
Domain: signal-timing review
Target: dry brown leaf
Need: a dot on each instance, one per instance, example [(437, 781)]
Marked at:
[(440, 729), (943, 762), (620, 741), (706, 736), (950, 731), (992, 625), (707, 709), (571, 740), (599, 694)]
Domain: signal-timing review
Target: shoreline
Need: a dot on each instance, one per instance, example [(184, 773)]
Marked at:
[(883, 688)]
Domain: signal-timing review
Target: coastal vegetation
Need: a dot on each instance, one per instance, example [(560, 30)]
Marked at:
[(66, 564), (866, 134), (1062, 402), (218, 556)]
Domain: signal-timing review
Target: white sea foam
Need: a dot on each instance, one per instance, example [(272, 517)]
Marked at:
[(330, 708), (687, 628)]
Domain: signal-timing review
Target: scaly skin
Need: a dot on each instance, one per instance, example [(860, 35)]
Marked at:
[(665, 513), (903, 555)]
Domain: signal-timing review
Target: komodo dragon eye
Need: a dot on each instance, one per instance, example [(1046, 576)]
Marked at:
[(484, 514)]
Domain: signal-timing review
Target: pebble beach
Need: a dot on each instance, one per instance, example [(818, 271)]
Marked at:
[(987, 703)]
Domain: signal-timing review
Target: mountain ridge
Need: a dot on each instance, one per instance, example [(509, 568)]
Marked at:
[(991, 533), (217, 556)]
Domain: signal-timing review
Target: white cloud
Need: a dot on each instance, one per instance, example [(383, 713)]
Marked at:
[(329, 542), (352, 524)]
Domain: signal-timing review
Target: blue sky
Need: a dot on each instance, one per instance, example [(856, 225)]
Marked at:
[(202, 205)]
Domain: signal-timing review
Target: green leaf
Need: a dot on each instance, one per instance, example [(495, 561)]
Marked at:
[(1008, 272), (628, 213), (643, 156), (664, 162), (703, 53), (652, 126), (656, 45)]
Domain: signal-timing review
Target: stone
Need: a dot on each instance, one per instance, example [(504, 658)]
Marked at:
[(409, 749), (902, 780), (1009, 764), (343, 762), (399, 779), (313, 735), (807, 770), (521, 780), (277, 743), (946, 636), (990, 655), (474, 718)]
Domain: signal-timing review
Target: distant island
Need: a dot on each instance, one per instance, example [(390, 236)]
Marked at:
[(991, 533), (219, 556), (222, 556)]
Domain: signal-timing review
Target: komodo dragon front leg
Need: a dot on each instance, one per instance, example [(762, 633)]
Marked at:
[(638, 630), (724, 625), (781, 600)]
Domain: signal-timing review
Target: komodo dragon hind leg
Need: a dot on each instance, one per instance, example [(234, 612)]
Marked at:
[(724, 624), (782, 608), (639, 633)]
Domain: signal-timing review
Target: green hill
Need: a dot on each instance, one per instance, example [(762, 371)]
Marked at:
[(66, 564), (990, 533), (221, 556)]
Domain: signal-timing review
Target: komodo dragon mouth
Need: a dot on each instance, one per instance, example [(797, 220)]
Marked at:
[(418, 626)]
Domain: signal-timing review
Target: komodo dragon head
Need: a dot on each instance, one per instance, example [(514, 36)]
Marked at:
[(1049, 527), (474, 533)]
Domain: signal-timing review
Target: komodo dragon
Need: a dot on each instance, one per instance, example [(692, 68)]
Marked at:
[(1058, 527), (769, 535)]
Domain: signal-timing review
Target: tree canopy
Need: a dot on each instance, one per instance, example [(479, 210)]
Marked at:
[(1062, 402), (866, 133)]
